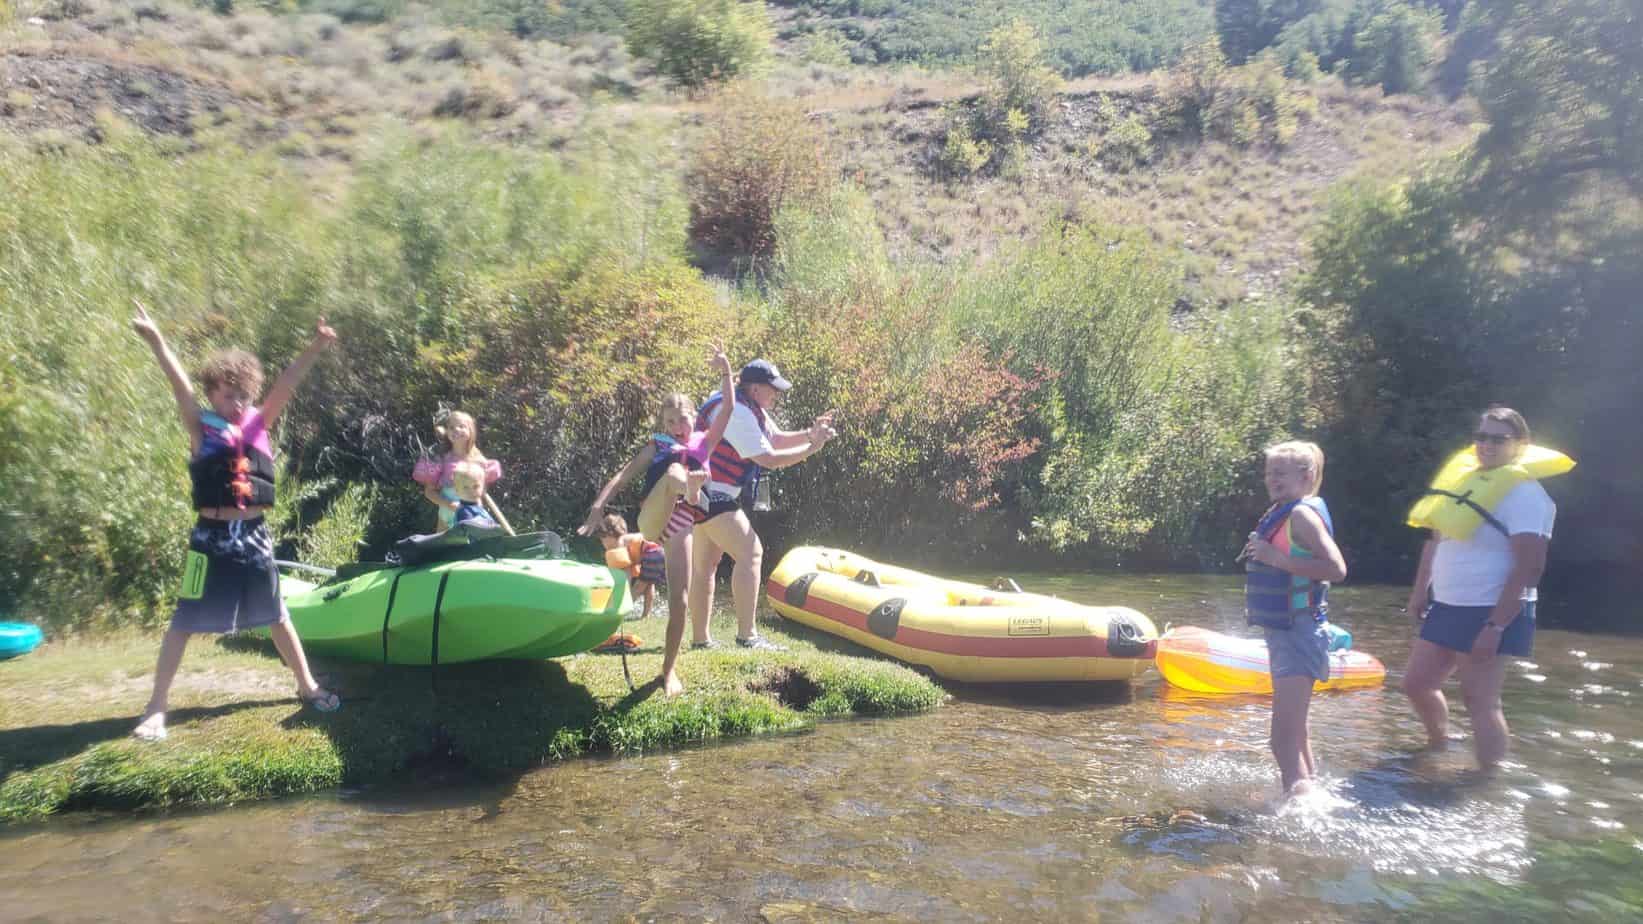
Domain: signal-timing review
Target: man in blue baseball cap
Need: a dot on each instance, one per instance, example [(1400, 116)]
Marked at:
[(751, 442)]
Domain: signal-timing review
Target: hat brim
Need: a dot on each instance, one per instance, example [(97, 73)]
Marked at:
[(780, 384)]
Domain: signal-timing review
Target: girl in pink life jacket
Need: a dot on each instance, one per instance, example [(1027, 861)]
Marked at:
[(750, 442), (230, 581), (674, 464), (456, 481)]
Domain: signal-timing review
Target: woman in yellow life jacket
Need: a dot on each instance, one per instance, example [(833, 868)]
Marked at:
[(1290, 556), (1474, 592)]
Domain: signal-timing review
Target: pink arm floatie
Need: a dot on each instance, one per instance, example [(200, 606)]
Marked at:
[(430, 472)]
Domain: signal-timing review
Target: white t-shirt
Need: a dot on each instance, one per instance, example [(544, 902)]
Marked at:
[(1472, 572), (744, 435)]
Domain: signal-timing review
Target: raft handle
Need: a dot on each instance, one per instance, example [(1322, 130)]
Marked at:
[(868, 578)]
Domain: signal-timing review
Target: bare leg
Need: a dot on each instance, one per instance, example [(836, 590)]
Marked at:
[(1291, 699), (290, 649), (734, 534), (744, 586), (1480, 686), (653, 512), (677, 551), (165, 671), (1429, 666), (704, 562)]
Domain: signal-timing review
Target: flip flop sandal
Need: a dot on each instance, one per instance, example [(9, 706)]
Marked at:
[(323, 700)]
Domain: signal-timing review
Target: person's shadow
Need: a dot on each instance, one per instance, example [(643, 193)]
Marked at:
[(24, 749), (490, 719)]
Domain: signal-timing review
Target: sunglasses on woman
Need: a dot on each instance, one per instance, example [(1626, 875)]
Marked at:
[(1499, 439)]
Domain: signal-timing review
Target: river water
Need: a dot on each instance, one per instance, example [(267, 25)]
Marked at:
[(1061, 804)]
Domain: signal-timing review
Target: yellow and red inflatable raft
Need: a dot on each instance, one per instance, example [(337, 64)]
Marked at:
[(1209, 662), (960, 631)]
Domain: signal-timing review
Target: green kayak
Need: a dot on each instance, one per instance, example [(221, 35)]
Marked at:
[(443, 612)]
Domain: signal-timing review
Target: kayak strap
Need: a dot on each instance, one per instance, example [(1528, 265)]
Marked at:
[(387, 614), (433, 654)]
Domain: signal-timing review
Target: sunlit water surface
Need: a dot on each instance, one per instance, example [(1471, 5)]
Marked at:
[(1146, 805)]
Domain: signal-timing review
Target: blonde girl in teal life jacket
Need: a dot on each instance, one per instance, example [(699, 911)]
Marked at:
[(1297, 649)]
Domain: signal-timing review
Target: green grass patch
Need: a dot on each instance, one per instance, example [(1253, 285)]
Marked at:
[(238, 734)]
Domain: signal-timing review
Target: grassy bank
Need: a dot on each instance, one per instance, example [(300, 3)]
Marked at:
[(237, 733)]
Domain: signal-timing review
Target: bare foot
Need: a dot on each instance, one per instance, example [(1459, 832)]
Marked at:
[(671, 685), (693, 487), (151, 728)]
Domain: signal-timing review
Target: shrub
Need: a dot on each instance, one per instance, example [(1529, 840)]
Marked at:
[(1177, 470), (962, 154), (1239, 105), (695, 41), (1021, 87), (1126, 145), (1192, 87), (336, 539), (754, 156)]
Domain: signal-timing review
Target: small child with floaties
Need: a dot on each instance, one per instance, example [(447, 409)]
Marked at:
[(456, 481), (1290, 559), (642, 559), (230, 581)]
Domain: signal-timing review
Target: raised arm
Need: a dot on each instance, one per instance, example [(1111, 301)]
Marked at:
[(187, 407), (286, 385), (641, 460), (727, 403)]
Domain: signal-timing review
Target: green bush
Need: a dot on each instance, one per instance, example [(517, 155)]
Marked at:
[(695, 41), (1177, 475), (1127, 144), (1020, 87), (1240, 105), (962, 154)]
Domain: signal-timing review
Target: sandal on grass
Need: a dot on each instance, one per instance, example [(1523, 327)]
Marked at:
[(322, 700)]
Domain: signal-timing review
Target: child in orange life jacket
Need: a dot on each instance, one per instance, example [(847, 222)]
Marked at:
[(642, 559), (1291, 557), (456, 481)]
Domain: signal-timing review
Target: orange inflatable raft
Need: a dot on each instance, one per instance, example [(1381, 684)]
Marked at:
[(1210, 662)]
